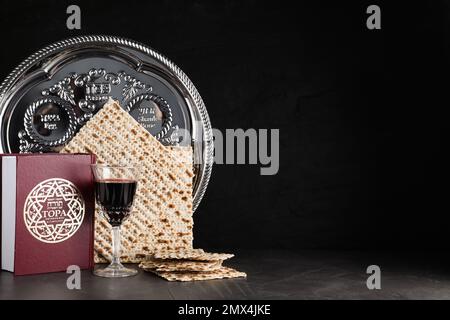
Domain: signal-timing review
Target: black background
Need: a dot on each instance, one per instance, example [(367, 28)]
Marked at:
[(361, 113)]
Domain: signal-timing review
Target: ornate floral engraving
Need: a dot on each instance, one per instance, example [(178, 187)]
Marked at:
[(132, 86), (94, 87)]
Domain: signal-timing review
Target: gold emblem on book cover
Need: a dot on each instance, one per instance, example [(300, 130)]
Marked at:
[(54, 210)]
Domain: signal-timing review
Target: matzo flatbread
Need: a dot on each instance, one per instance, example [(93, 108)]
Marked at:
[(162, 210), (190, 254), (222, 273), (180, 265)]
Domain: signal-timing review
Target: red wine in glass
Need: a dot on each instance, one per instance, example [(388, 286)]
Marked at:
[(115, 196), (115, 187)]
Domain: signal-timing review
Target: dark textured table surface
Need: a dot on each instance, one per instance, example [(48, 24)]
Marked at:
[(271, 275)]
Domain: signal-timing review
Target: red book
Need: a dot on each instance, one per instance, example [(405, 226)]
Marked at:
[(47, 221)]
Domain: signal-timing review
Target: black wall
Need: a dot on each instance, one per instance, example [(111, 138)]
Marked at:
[(361, 113)]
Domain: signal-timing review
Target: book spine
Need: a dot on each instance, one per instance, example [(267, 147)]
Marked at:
[(92, 233)]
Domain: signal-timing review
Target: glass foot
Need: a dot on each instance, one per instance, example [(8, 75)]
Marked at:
[(115, 271)]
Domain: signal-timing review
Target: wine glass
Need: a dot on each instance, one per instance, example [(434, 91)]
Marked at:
[(115, 187)]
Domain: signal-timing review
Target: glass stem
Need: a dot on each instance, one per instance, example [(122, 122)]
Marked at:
[(115, 245)]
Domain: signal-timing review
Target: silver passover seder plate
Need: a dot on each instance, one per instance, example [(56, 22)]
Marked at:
[(54, 92)]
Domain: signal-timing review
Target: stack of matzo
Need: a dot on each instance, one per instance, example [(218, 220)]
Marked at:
[(162, 210), (189, 265)]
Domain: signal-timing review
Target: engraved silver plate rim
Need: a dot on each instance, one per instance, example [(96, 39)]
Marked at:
[(207, 143)]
